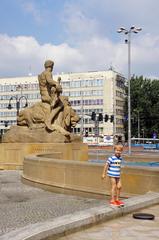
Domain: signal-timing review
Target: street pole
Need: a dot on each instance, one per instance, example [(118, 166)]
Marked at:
[(138, 125), (97, 128), (129, 97), (128, 41), (17, 106), (114, 111), (17, 103), (82, 116)]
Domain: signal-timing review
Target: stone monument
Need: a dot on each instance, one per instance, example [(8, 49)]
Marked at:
[(48, 121)]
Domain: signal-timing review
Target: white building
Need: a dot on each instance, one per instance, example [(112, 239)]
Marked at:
[(101, 92)]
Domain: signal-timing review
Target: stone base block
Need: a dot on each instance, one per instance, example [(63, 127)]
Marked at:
[(12, 154)]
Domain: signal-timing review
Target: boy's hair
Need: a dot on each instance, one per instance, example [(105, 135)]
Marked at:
[(120, 147)]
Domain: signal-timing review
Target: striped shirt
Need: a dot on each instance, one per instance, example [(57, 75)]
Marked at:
[(114, 164)]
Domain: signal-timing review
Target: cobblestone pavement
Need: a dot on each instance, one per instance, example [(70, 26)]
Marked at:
[(21, 205), (125, 228)]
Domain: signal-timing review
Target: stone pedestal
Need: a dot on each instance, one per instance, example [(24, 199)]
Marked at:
[(12, 154)]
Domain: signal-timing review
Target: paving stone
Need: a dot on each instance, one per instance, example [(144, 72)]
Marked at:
[(125, 228), (43, 215), (21, 204)]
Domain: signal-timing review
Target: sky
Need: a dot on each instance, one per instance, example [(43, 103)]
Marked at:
[(78, 35)]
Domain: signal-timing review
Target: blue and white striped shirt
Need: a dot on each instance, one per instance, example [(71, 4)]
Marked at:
[(114, 165)]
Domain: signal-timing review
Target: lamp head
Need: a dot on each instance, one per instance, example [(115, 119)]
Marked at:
[(26, 105), (135, 31), (9, 106), (6, 123), (121, 29), (138, 29)]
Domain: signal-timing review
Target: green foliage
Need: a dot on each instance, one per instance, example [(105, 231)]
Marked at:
[(144, 106)]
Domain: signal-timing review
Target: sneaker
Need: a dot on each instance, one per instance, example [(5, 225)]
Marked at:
[(120, 203), (114, 203)]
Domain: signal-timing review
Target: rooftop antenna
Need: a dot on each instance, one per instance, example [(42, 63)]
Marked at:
[(111, 68)]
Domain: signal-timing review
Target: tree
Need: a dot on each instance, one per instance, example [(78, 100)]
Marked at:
[(144, 106)]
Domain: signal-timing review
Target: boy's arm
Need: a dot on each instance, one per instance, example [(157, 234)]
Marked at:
[(105, 170)]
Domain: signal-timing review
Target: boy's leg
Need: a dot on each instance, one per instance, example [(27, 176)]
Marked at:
[(118, 181), (118, 184), (113, 188)]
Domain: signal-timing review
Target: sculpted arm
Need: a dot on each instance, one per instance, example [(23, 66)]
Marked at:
[(50, 80)]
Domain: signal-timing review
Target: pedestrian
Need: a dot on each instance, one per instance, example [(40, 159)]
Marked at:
[(112, 168)]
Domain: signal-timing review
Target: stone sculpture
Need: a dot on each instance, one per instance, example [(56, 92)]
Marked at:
[(53, 115)]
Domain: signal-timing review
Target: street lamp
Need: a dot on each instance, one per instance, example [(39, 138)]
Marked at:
[(143, 134), (18, 100), (132, 29), (82, 116), (136, 114), (138, 123)]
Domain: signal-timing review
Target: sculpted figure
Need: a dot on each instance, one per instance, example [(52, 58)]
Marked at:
[(47, 85), (34, 116), (56, 104), (70, 117), (45, 119), (54, 111), (67, 117), (50, 91)]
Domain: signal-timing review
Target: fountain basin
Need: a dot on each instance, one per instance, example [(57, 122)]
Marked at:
[(82, 176)]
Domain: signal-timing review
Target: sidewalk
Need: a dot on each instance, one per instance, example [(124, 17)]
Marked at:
[(21, 204), (30, 213), (125, 228)]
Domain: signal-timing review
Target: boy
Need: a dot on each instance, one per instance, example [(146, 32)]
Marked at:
[(112, 167)]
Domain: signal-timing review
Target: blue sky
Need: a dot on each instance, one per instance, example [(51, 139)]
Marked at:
[(79, 35)]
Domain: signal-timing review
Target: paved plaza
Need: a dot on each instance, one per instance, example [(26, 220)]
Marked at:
[(21, 204), (31, 213), (124, 228)]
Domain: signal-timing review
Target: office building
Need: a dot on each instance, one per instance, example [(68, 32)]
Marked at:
[(98, 92)]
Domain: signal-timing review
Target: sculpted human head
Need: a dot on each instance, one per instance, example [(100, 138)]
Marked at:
[(49, 64)]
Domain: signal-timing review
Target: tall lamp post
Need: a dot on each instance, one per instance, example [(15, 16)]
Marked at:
[(82, 116), (18, 100), (138, 123), (132, 29)]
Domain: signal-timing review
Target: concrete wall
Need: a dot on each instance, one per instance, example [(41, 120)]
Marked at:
[(12, 154), (86, 177)]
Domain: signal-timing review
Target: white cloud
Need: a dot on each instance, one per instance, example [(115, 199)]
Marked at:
[(102, 18), (78, 25), (145, 55), (17, 54)]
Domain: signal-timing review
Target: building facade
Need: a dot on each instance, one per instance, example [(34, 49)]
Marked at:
[(100, 92)]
